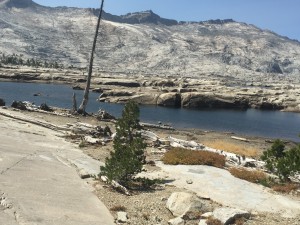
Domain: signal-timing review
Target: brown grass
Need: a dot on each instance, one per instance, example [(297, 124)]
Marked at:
[(285, 188), (118, 208), (188, 157), (239, 149), (251, 176), (213, 221)]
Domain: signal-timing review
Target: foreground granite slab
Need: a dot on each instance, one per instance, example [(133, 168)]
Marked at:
[(38, 180)]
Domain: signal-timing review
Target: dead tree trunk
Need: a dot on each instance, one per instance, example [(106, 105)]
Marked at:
[(82, 107), (74, 103)]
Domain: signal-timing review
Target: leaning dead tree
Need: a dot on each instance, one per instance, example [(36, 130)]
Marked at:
[(82, 107)]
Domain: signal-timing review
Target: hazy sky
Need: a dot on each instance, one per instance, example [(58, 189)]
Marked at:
[(280, 16)]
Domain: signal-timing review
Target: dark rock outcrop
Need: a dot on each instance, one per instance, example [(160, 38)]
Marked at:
[(138, 18), (201, 101), (269, 106), (122, 83), (19, 105), (45, 107), (2, 102)]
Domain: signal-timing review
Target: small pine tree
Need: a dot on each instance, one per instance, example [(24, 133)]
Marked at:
[(283, 163), (128, 156)]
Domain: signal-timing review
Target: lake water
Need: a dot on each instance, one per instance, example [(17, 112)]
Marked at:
[(269, 124)]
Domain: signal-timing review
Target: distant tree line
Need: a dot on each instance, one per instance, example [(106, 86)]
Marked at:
[(16, 59)]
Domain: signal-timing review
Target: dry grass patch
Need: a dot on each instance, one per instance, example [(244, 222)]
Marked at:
[(253, 176), (189, 157), (118, 208), (238, 149), (286, 188)]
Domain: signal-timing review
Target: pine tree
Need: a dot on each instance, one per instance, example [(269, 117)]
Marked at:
[(128, 156), (281, 162)]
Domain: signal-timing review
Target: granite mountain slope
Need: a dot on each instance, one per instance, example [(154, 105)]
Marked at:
[(146, 44)]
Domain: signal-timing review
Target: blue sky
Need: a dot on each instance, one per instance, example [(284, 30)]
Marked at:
[(280, 16)]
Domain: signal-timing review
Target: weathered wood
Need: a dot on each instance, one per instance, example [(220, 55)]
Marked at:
[(35, 122), (116, 185), (85, 99), (239, 139), (164, 127)]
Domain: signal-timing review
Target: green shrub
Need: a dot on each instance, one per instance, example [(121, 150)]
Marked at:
[(189, 157), (281, 162)]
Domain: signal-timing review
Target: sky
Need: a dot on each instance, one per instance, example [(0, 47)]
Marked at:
[(280, 16)]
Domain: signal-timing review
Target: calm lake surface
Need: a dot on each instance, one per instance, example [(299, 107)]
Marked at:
[(269, 124)]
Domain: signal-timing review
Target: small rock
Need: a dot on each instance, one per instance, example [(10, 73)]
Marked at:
[(83, 174), (189, 182), (176, 221), (207, 215), (122, 217)]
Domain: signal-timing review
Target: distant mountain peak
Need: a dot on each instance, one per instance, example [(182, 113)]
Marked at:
[(17, 3), (140, 17)]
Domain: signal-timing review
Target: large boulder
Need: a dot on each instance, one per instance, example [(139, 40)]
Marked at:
[(169, 99), (207, 101), (145, 99), (2, 102), (228, 215), (182, 204)]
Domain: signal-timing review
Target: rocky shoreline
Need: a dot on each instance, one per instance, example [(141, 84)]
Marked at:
[(207, 92)]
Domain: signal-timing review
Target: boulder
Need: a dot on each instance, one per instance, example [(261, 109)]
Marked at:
[(103, 115), (176, 221), (182, 203), (45, 107), (169, 99), (207, 101), (228, 215), (145, 99), (19, 105), (2, 102)]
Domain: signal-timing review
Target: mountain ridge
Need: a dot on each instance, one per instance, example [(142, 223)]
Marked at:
[(145, 43)]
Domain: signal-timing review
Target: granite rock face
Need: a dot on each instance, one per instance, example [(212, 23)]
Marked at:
[(144, 43)]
